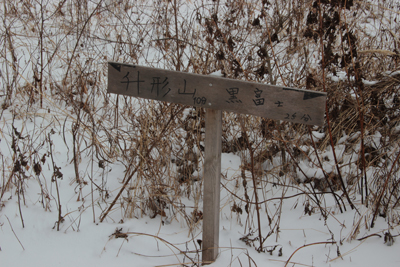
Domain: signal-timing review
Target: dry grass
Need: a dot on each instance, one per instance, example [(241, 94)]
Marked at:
[(53, 64)]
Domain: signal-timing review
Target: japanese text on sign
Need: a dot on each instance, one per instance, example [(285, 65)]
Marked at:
[(270, 101)]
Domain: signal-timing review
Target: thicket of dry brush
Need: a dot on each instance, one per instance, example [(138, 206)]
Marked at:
[(53, 63)]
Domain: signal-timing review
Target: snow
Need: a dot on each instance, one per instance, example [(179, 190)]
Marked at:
[(340, 76), (83, 241), (28, 225), (217, 73)]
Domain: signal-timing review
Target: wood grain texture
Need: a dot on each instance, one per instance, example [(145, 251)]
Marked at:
[(273, 102), (212, 179)]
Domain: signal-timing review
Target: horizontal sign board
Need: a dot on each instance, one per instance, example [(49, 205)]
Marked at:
[(269, 101)]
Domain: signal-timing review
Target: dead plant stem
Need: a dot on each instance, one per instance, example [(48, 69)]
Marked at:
[(307, 245), (178, 57), (321, 34), (360, 107), (132, 173), (321, 166), (12, 229), (54, 178), (378, 201)]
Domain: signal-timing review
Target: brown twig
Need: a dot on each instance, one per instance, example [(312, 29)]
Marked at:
[(378, 201), (365, 237), (131, 174), (307, 245), (12, 229), (321, 166), (321, 34)]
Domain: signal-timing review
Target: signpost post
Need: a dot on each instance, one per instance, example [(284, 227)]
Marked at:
[(216, 94)]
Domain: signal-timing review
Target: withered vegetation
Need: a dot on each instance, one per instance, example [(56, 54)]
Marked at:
[(53, 63)]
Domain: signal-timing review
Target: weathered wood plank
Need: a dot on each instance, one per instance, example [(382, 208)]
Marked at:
[(212, 178), (274, 102)]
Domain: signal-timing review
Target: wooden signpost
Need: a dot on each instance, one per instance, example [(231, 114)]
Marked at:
[(216, 94)]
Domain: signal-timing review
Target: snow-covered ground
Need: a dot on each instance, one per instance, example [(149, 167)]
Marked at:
[(164, 241), (38, 176)]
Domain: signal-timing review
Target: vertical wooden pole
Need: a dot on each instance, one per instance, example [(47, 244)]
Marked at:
[(212, 178)]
